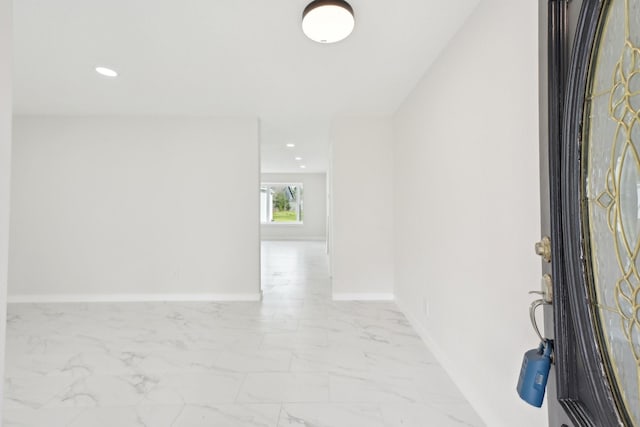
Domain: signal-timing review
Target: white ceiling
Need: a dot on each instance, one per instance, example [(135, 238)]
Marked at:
[(227, 57)]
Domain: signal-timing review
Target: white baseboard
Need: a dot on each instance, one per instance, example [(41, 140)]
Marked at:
[(441, 358), (363, 297), (54, 298), (293, 238), (420, 329)]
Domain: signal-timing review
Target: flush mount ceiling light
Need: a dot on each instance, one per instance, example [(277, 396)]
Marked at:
[(291, 145), (328, 21), (106, 72)]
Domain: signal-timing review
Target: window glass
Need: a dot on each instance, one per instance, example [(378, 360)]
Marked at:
[(281, 203)]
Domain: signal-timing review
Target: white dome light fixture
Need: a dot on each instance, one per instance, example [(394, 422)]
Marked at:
[(328, 21)]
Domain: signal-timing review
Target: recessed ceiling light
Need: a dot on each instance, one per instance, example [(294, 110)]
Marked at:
[(328, 21), (291, 145), (303, 167), (107, 72), (298, 158)]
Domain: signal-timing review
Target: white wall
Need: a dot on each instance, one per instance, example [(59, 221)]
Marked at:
[(467, 206), (314, 226), (362, 211), (5, 168), (137, 208)]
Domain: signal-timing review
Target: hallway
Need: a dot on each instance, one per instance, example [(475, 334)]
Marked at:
[(295, 359)]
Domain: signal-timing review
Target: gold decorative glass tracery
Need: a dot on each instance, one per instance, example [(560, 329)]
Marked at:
[(612, 190)]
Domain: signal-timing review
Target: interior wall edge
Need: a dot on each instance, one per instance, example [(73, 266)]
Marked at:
[(6, 130)]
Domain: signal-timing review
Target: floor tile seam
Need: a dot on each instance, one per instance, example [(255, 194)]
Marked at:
[(173, 375), (124, 406), (279, 415), (375, 402), (262, 338), (120, 376), (378, 407), (244, 379), (288, 372), (290, 360), (138, 404), (286, 402)]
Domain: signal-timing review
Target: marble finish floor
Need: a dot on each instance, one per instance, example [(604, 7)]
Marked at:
[(295, 359)]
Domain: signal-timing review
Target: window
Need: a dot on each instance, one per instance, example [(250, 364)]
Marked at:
[(281, 203)]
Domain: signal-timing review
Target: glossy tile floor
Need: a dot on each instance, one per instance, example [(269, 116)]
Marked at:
[(295, 359)]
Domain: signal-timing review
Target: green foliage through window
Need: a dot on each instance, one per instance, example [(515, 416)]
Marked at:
[(281, 203)]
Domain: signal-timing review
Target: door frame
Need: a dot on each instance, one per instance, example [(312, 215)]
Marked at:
[(582, 393), (553, 50)]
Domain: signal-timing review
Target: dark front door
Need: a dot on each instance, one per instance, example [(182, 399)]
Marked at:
[(590, 128)]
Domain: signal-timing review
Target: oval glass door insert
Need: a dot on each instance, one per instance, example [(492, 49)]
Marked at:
[(611, 186)]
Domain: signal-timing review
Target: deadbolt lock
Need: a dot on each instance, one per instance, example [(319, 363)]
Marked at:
[(543, 248)]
